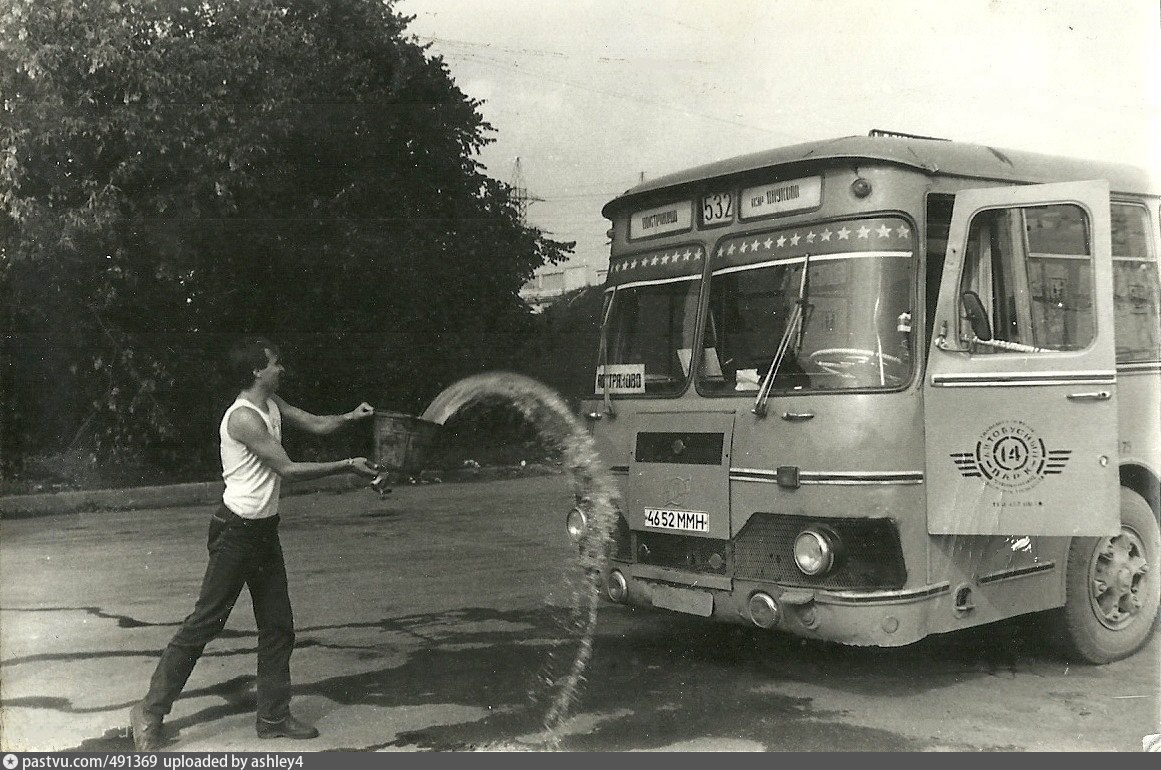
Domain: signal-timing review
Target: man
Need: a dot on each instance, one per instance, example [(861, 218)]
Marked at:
[(244, 546)]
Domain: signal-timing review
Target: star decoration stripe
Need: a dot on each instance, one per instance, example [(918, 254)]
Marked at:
[(851, 236), (669, 263), (874, 234)]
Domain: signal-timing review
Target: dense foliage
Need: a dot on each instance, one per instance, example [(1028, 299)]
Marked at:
[(175, 173)]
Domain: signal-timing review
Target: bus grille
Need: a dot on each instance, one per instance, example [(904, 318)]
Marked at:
[(692, 554), (764, 550)]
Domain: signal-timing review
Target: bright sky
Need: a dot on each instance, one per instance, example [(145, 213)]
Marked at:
[(591, 94)]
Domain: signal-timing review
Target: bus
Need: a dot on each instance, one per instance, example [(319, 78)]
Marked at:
[(879, 387)]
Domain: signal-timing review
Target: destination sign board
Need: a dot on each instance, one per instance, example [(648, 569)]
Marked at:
[(781, 197), (672, 218)]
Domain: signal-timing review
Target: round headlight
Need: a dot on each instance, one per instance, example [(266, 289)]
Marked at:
[(617, 587), (814, 551), (576, 522), (763, 610)]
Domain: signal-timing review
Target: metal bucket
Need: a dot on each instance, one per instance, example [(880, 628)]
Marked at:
[(404, 443)]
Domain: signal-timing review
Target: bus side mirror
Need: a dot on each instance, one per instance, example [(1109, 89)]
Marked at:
[(978, 317)]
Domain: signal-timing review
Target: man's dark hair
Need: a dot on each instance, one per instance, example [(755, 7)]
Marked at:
[(248, 354)]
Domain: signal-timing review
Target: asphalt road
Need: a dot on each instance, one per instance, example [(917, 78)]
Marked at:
[(430, 620)]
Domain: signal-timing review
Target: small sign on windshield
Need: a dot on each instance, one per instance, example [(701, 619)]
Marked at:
[(621, 378)]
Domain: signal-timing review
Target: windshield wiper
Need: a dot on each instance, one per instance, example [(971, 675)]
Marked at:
[(603, 354), (793, 334)]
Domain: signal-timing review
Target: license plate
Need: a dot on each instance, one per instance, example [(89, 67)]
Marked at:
[(683, 600), (670, 518)]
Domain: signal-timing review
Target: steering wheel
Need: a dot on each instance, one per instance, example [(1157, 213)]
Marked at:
[(840, 360)]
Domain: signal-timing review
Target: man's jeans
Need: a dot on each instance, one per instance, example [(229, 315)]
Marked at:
[(242, 552)]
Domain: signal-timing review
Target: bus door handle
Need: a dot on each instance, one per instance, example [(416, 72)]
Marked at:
[(797, 416), (1099, 395)]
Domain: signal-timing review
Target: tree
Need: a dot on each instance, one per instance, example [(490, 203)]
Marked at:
[(173, 174)]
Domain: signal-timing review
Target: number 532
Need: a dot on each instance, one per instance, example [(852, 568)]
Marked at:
[(718, 207)]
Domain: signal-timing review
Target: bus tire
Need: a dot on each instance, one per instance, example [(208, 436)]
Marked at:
[(1112, 588)]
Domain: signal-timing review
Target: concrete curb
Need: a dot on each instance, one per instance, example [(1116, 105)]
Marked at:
[(169, 496), (210, 492)]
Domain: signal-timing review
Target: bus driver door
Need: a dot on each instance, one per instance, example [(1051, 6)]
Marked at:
[(1020, 397)]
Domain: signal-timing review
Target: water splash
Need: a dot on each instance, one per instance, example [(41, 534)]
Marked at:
[(596, 494)]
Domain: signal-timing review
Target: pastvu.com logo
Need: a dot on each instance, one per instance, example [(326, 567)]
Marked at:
[(10, 761)]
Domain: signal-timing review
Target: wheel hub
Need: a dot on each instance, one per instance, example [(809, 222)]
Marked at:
[(1116, 573)]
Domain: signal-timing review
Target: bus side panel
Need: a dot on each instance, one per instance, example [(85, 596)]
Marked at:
[(995, 577), (1139, 423)]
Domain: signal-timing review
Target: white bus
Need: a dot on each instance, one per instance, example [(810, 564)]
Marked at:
[(875, 388)]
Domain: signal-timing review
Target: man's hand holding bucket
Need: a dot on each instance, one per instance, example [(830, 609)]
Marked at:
[(363, 467), (360, 412)]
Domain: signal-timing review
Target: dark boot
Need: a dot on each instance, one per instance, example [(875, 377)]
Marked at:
[(288, 727), (148, 733)]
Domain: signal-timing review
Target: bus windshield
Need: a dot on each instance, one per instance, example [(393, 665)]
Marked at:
[(653, 326), (855, 313)]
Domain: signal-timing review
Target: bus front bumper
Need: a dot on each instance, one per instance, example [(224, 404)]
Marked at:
[(868, 618)]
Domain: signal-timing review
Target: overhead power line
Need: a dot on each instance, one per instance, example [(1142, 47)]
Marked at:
[(631, 97)]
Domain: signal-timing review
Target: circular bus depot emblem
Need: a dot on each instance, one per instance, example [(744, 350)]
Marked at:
[(1010, 456)]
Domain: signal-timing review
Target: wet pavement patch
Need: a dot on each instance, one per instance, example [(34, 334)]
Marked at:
[(123, 621), (236, 694), (659, 688), (40, 702)]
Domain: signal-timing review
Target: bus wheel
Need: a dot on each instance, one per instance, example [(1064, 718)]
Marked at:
[(1112, 588)]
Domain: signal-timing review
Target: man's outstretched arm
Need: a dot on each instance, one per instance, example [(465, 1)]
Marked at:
[(321, 424)]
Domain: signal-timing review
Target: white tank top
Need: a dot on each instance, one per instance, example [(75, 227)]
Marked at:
[(252, 487)]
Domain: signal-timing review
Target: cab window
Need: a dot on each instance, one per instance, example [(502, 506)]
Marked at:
[(1031, 269)]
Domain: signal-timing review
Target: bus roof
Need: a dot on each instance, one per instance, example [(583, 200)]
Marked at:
[(933, 156)]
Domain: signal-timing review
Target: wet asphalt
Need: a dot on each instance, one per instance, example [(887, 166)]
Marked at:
[(436, 617)]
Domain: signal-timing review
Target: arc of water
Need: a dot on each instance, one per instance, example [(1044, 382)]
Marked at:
[(550, 415)]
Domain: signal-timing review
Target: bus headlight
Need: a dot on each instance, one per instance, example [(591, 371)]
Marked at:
[(617, 587), (816, 551), (764, 612), (576, 523)]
